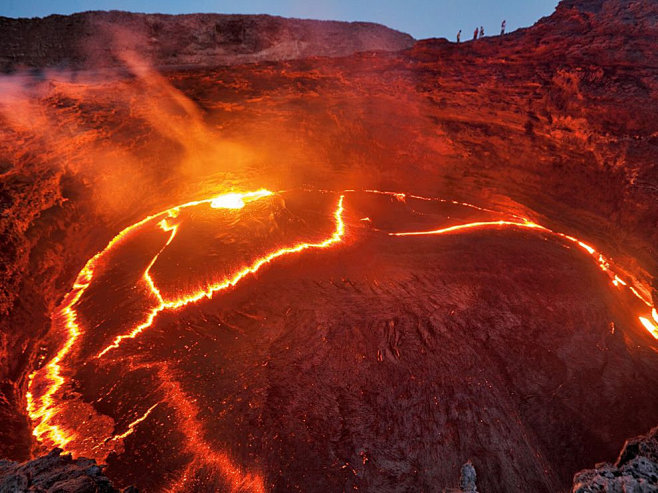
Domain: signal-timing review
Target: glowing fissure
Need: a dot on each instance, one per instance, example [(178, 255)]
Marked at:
[(475, 225), (204, 453), (600, 260), (403, 196), (131, 426), (43, 409), (226, 283)]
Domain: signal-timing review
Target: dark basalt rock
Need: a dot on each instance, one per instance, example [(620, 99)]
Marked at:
[(467, 480), (55, 473), (98, 39), (636, 469)]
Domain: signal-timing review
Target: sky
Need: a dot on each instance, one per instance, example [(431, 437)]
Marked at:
[(420, 18)]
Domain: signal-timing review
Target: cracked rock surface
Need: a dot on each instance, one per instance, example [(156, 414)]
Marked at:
[(634, 471), (55, 473)]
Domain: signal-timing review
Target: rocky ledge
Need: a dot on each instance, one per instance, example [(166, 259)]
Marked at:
[(98, 39), (55, 473), (634, 471)]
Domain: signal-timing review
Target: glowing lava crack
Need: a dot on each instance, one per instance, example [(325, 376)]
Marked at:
[(43, 408), (44, 401)]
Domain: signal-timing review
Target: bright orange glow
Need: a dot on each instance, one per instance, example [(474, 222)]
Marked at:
[(475, 225), (650, 326), (43, 409), (602, 262), (237, 200), (45, 397), (209, 291), (640, 297), (616, 281)]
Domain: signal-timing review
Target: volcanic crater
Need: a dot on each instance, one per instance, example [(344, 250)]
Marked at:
[(331, 271)]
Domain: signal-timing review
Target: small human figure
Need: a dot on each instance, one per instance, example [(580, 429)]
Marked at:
[(481, 32), (502, 28), (459, 35), (475, 34)]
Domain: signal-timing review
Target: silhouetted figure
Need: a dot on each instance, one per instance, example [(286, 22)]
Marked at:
[(502, 28), (475, 34), (481, 32), (459, 35)]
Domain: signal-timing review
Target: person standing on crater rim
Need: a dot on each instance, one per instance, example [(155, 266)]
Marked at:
[(502, 28), (475, 34), (481, 32), (459, 35)]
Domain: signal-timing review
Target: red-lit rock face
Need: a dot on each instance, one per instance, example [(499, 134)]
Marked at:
[(327, 334)]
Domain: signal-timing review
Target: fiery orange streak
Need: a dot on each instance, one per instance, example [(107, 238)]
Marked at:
[(481, 224), (402, 196), (653, 329), (42, 409), (147, 272), (601, 261), (131, 426), (209, 291), (204, 454), (45, 409)]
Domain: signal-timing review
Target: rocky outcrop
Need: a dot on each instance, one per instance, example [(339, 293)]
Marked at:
[(634, 471), (55, 473), (100, 39), (467, 480)]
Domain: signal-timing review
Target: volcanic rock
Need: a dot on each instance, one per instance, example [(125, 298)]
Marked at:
[(467, 480), (635, 470), (54, 473), (100, 39)]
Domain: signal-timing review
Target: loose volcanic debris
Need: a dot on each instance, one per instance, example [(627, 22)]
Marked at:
[(55, 473)]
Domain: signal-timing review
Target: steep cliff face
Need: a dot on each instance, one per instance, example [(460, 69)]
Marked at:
[(99, 39), (534, 366)]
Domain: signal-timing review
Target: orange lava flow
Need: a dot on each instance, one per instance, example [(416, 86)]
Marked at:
[(44, 403), (131, 426), (475, 225), (403, 196), (209, 291), (602, 262), (205, 455), (43, 409)]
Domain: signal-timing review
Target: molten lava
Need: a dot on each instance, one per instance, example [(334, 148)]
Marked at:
[(43, 409), (52, 412)]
